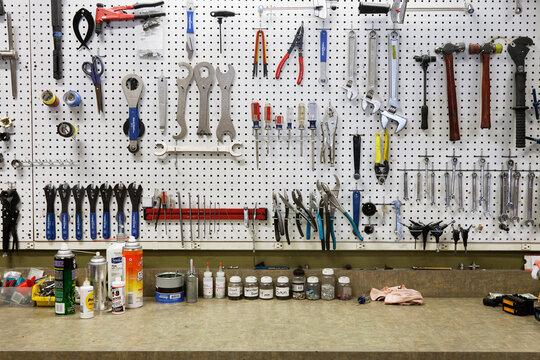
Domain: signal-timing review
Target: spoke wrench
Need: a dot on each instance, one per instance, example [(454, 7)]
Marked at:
[(132, 85), (225, 125), (135, 194), (183, 87), (92, 192), (64, 192), (78, 195), (204, 85), (105, 191)]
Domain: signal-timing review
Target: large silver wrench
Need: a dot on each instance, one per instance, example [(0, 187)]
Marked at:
[(371, 97), (204, 85), (350, 86), (132, 86), (509, 203), (482, 181), (530, 193), (487, 213), (225, 125), (201, 148), (183, 87)]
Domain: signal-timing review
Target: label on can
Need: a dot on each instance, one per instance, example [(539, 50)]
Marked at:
[(298, 287), (266, 294), (134, 277), (169, 298), (234, 291), (118, 300), (64, 285), (282, 291), (251, 292), (220, 289)]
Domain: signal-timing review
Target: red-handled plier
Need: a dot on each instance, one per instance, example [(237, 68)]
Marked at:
[(297, 42), (117, 13)]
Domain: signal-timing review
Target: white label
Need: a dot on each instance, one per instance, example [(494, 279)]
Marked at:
[(251, 292), (234, 291), (266, 293), (174, 296), (282, 291), (297, 287), (220, 289), (208, 288), (60, 308)]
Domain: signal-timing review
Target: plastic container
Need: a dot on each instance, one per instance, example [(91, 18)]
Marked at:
[(208, 283), (299, 284), (42, 300), (86, 308), (234, 290), (313, 288), (328, 284), (283, 288), (344, 288), (251, 288), (220, 283), (118, 292), (266, 289)]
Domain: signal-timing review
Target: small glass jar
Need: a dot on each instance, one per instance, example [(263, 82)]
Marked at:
[(266, 290), (328, 284), (313, 288), (234, 290), (299, 284), (344, 288), (283, 289), (251, 288)]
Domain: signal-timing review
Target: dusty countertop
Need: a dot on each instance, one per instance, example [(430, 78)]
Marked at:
[(440, 325)]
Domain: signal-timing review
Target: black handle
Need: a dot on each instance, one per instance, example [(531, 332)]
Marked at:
[(299, 225), (222, 14), (276, 227), (139, 6), (56, 20), (424, 125), (99, 26), (356, 153), (57, 58), (520, 108), (372, 8), (149, 15), (2, 12), (287, 226)]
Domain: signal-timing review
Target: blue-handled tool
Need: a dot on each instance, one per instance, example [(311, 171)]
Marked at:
[(132, 86), (120, 192), (535, 104), (135, 194), (94, 69), (50, 221), (105, 191), (356, 207), (190, 32), (64, 192), (323, 80), (92, 192), (78, 195)]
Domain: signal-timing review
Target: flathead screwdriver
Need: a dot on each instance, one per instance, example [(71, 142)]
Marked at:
[(290, 116), (301, 121), (256, 118), (267, 125), (312, 119)]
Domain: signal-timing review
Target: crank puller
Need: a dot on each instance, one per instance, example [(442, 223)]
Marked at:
[(64, 191), (126, 128), (132, 86), (135, 194), (78, 195), (105, 191), (50, 221), (120, 192), (92, 192), (87, 15)]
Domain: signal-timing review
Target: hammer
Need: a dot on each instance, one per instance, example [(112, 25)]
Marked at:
[(448, 50), (486, 50), (424, 60)]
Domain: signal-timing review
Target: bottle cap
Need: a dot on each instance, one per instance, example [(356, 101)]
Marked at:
[(86, 282), (235, 279), (282, 279), (64, 252), (313, 279), (220, 274), (266, 280), (328, 271), (251, 279), (299, 272), (344, 280), (97, 260), (207, 274)]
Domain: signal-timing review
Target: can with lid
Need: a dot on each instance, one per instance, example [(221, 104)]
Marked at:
[(344, 288), (299, 284), (313, 288), (266, 290), (64, 281), (169, 287), (234, 291), (251, 288), (283, 289), (133, 259), (97, 271)]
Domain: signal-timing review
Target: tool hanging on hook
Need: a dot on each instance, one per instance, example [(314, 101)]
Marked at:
[(118, 13), (190, 33), (12, 55), (260, 35), (220, 15), (298, 41)]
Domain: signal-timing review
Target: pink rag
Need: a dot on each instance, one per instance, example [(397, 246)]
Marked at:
[(397, 295)]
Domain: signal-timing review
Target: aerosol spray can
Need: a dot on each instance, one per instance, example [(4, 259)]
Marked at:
[(87, 300), (192, 284), (118, 289), (133, 260), (64, 281), (97, 269)]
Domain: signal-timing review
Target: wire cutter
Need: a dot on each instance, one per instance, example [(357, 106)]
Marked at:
[(117, 13), (94, 70), (297, 42), (278, 221), (256, 57), (381, 168)]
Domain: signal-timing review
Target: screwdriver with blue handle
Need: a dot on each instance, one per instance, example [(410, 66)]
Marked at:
[(50, 221)]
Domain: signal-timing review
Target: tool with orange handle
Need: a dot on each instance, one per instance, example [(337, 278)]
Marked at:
[(297, 42)]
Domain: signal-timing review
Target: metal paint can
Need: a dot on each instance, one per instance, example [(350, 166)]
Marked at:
[(133, 259), (169, 287), (97, 271), (64, 281)]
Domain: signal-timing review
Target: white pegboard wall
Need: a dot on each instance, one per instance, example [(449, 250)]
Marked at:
[(101, 147)]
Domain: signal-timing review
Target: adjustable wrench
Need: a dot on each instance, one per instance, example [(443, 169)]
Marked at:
[(350, 86), (516, 180), (530, 193), (201, 148), (482, 179), (132, 86), (183, 87), (487, 201), (432, 186), (225, 125), (503, 178), (371, 98), (474, 192), (394, 109), (509, 203), (460, 189), (204, 85)]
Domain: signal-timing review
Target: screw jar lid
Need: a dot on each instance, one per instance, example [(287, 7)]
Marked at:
[(328, 271), (344, 280), (282, 279), (235, 279), (266, 280), (299, 272), (251, 279), (313, 279)]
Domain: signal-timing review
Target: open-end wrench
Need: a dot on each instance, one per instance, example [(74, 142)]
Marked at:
[(418, 186), (225, 125), (202, 148), (426, 169), (371, 97), (509, 203), (454, 165), (503, 178), (447, 187), (487, 201), (460, 189), (482, 180), (530, 193), (204, 84), (432, 186), (516, 180), (183, 87), (474, 208), (405, 185), (350, 86), (393, 112), (132, 85)]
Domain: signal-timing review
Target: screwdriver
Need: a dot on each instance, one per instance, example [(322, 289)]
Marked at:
[(301, 121), (312, 119), (267, 125), (256, 118), (290, 116), (279, 125)]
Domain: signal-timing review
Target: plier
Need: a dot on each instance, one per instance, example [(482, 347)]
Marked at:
[(256, 57), (278, 221), (297, 199), (286, 220), (381, 168), (285, 199), (323, 218), (328, 130), (297, 42), (312, 210), (10, 214), (118, 13)]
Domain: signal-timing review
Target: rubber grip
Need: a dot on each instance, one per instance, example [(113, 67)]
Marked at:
[(324, 45), (280, 66), (189, 22), (50, 227), (424, 124), (300, 70), (57, 57), (299, 225), (308, 231), (276, 228), (371, 8), (332, 233), (140, 6), (78, 226), (356, 155), (148, 16), (327, 236), (356, 207), (486, 94), (520, 109), (93, 226), (99, 26), (65, 226), (321, 229), (452, 98), (355, 228), (135, 224), (120, 219), (106, 225), (133, 123)]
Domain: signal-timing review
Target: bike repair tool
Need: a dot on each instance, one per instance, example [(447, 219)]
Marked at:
[(290, 118), (64, 192), (105, 191), (356, 207), (518, 50), (509, 193), (120, 192), (162, 102), (298, 41), (516, 196), (437, 232), (92, 193), (371, 99), (94, 70), (455, 235), (530, 198), (357, 154), (267, 125), (418, 185), (482, 163), (447, 189), (323, 220), (198, 217), (78, 194), (164, 206), (132, 85), (485, 50), (405, 184), (72, 98), (350, 86), (10, 214), (448, 50), (397, 208), (426, 230), (460, 189), (307, 215), (301, 122), (190, 219), (204, 84), (204, 216), (181, 217), (329, 125), (285, 200), (118, 13), (393, 112), (183, 85), (220, 15), (89, 26), (382, 168), (260, 35), (424, 61), (415, 229), (279, 230), (474, 176), (66, 130), (11, 54), (397, 12), (225, 125), (323, 54), (190, 32), (201, 148), (487, 192), (256, 118), (279, 125), (312, 120), (50, 221), (503, 182), (56, 20), (426, 170), (465, 236), (50, 99), (319, 7), (369, 209), (535, 104)]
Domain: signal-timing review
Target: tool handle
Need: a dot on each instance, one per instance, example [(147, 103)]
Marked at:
[(133, 123), (65, 226), (424, 124), (355, 228), (356, 207), (300, 69), (372, 8), (286, 227), (56, 19), (50, 226), (145, 5), (120, 219), (93, 226), (332, 233), (356, 153), (308, 231), (276, 227), (280, 66), (222, 14), (320, 217), (106, 225), (299, 225), (135, 224), (452, 98), (148, 15), (78, 226), (520, 108), (324, 45), (328, 223), (190, 29), (2, 12), (486, 94)]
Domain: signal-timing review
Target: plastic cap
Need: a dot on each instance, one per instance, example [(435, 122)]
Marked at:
[(299, 272), (132, 244), (220, 274), (282, 279), (235, 279), (98, 259), (207, 274), (266, 279), (328, 271), (86, 283), (251, 279), (344, 280), (64, 251), (313, 279)]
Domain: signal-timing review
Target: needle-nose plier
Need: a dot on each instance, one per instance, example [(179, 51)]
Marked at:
[(297, 42)]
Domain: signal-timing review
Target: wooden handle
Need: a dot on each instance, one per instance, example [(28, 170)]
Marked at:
[(486, 93), (452, 98)]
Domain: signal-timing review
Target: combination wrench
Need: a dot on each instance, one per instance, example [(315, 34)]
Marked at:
[(183, 87), (204, 84), (503, 177), (487, 201), (460, 189), (454, 166), (405, 184), (482, 180), (432, 185), (530, 193), (426, 168), (419, 186), (474, 176), (515, 188), (201, 148), (447, 187), (509, 203), (350, 86), (371, 98)]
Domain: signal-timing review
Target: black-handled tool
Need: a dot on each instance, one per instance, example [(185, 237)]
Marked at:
[(220, 15), (56, 18), (64, 191), (50, 221), (92, 192), (357, 148), (120, 192), (78, 195), (373, 8), (106, 194), (135, 195), (2, 12), (424, 61)]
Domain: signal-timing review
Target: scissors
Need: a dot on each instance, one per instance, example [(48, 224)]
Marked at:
[(94, 70)]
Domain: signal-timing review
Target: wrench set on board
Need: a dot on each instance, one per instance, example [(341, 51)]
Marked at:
[(311, 122)]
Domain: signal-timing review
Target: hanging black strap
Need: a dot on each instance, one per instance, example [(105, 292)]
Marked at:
[(87, 15)]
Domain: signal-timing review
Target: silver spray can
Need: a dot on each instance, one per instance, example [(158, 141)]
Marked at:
[(97, 271)]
